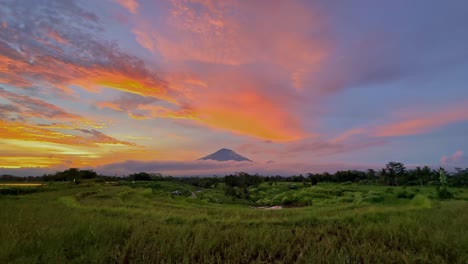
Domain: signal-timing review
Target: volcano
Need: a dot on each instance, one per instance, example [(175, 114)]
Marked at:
[(225, 154)]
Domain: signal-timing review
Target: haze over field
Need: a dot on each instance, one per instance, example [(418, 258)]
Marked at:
[(122, 86)]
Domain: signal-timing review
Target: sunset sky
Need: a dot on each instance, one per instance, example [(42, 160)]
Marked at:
[(151, 85)]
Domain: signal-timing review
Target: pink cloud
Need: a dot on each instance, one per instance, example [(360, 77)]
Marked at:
[(32, 107), (423, 122), (238, 33), (455, 158), (226, 53), (131, 5)]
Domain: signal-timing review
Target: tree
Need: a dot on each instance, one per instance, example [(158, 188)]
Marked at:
[(442, 177), (442, 190), (371, 174), (460, 178), (88, 174), (141, 176), (384, 177), (237, 185), (395, 170), (313, 180)]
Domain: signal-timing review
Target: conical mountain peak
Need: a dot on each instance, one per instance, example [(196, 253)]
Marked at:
[(225, 154)]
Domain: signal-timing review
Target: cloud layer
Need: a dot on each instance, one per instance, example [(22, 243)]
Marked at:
[(89, 83)]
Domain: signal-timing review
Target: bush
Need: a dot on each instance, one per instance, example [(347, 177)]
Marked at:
[(287, 201), (155, 186), (374, 197), (421, 201), (443, 193), (23, 190), (405, 195), (99, 180)]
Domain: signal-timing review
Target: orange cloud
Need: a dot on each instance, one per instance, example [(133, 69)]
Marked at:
[(109, 105), (56, 55), (61, 74), (249, 113), (263, 121), (55, 36), (24, 132), (49, 145), (28, 162), (9, 66), (244, 112), (223, 38), (243, 106), (203, 31)]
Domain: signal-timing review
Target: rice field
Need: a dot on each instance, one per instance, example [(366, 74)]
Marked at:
[(145, 223)]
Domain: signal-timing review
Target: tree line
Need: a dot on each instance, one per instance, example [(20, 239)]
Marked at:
[(393, 174)]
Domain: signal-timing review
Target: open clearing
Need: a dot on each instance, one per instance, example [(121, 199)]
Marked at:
[(144, 223)]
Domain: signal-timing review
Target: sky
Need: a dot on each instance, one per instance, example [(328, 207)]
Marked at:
[(297, 86)]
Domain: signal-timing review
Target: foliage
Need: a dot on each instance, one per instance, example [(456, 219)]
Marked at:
[(237, 185), (406, 195), (443, 177), (142, 223), (72, 174), (443, 193), (393, 174), (18, 190)]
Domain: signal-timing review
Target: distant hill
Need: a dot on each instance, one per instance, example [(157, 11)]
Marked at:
[(225, 155)]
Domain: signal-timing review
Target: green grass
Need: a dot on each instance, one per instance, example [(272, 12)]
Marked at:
[(144, 223)]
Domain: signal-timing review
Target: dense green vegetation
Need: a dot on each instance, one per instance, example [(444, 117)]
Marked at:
[(393, 174), (132, 221)]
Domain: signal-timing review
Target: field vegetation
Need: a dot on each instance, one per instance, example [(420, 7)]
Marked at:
[(148, 218)]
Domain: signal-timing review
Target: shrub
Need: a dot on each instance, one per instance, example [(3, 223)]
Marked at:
[(374, 198), (99, 180), (443, 194), (155, 186), (405, 195), (18, 191), (421, 201), (287, 200), (23, 190)]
